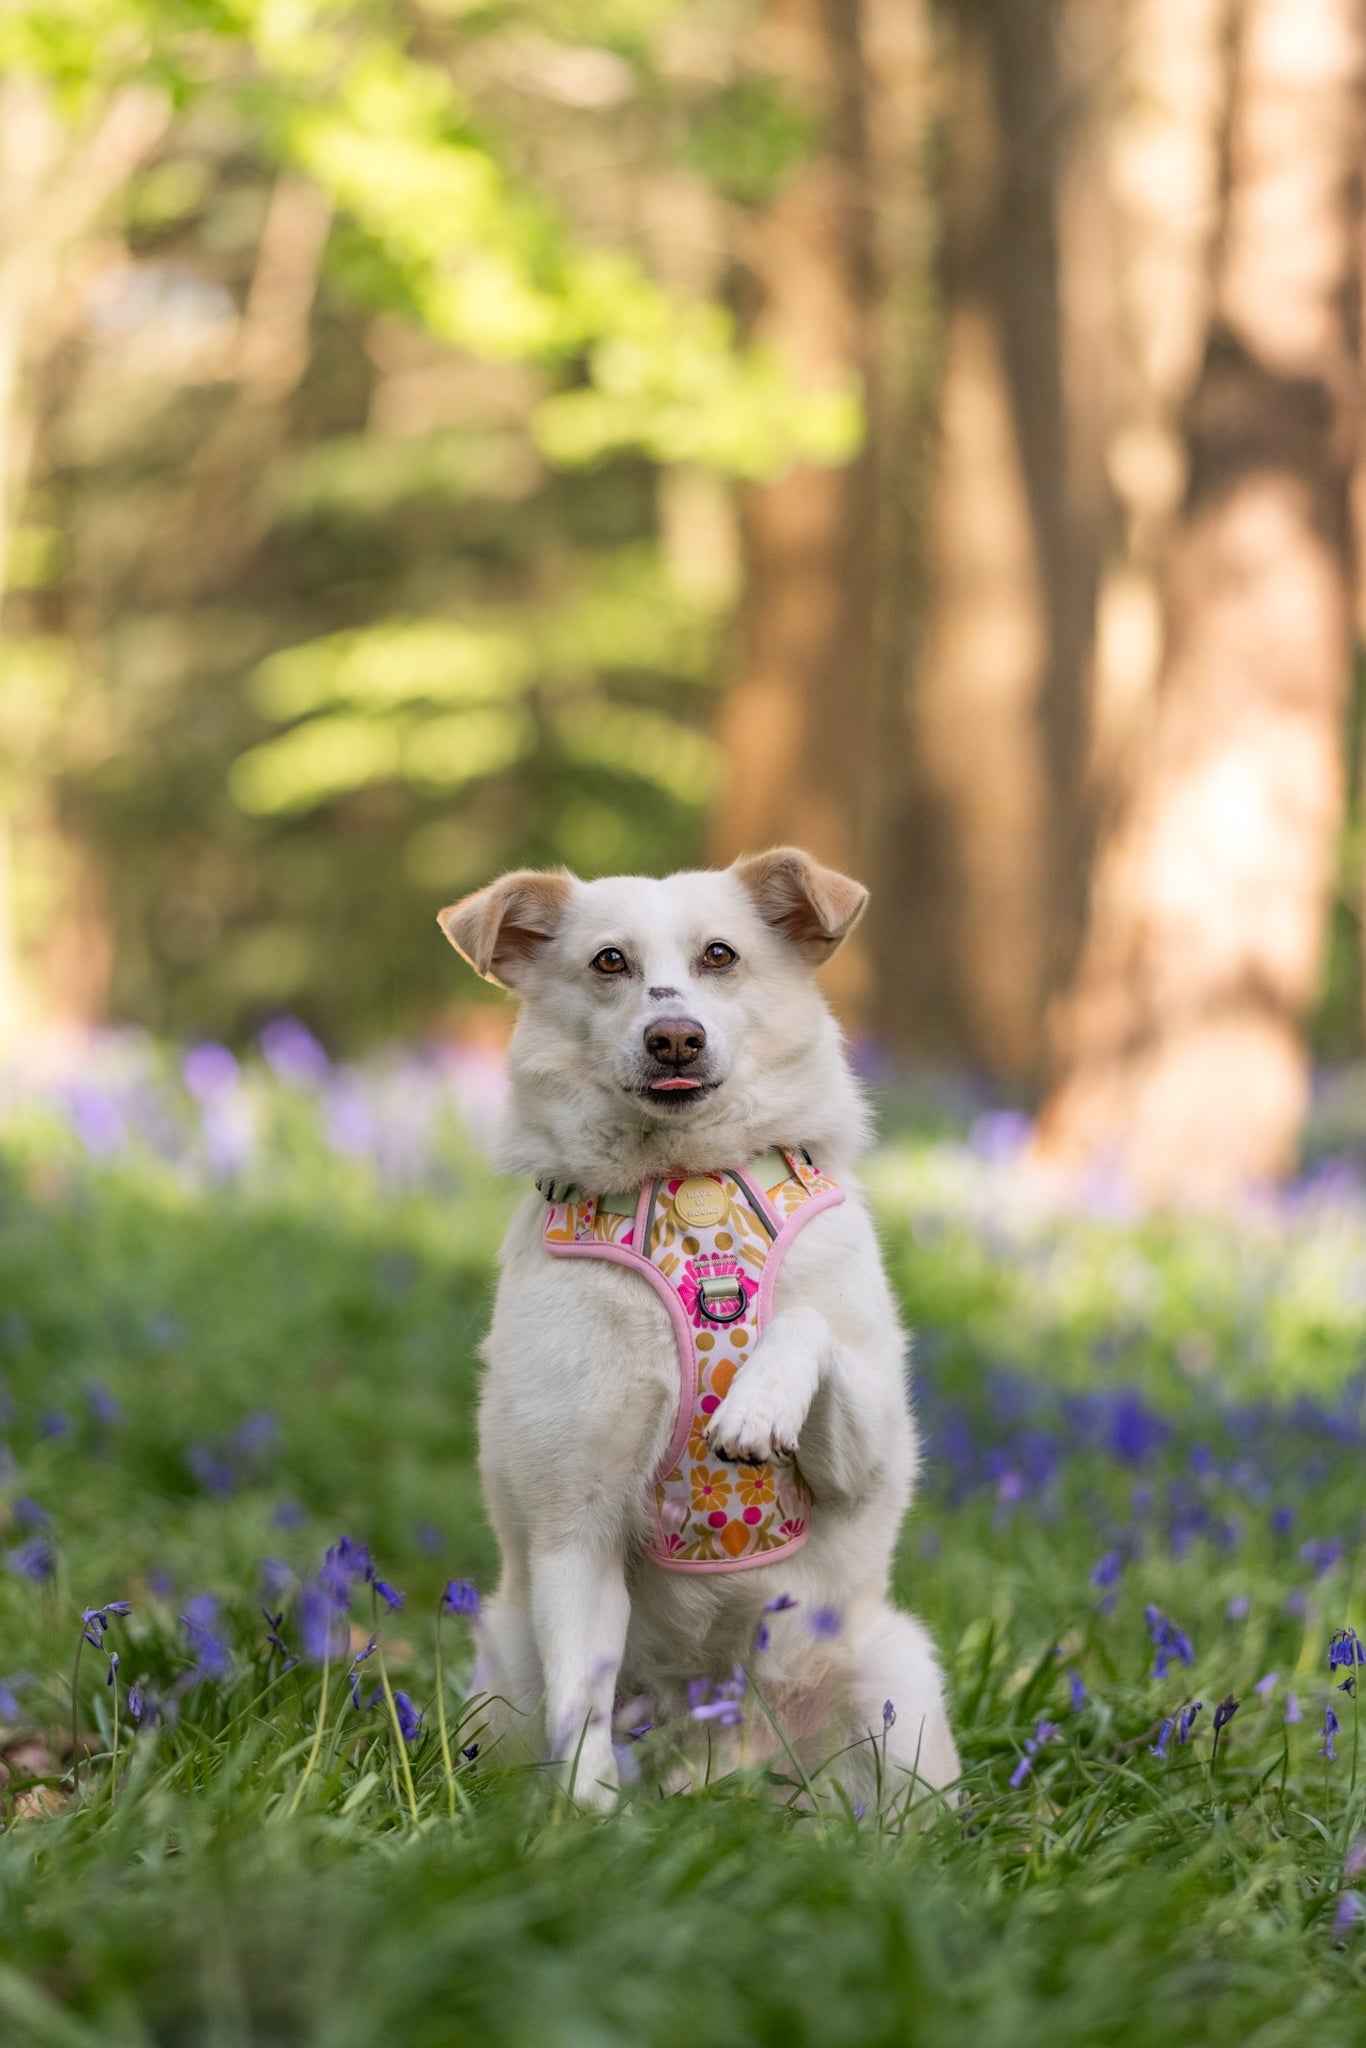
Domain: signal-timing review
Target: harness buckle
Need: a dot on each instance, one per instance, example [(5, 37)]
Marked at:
[(721, 1297)]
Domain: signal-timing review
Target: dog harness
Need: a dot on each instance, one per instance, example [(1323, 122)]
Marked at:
[(711, 1245)]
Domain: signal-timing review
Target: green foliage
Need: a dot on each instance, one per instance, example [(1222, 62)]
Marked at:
[(1113, 1897)]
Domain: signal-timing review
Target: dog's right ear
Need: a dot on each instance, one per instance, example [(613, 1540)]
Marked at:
[(499, 930)]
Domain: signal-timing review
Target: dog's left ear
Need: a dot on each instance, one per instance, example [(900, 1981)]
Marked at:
[(813, 906), (500, 929)]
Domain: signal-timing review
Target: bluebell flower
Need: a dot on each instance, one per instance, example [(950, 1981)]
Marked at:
[(30, 1514), (1331, 1725), (1292, 1709), (860, 1809), (1266, 1686), (1106, 1570), (888, 1714), (293, 1052), (288, 1515), (1044, 1732), (1346, 1648), (780, 1604), (1164, 1736), (762, 1638), (1321, 1555), (1225, 1711), (1077, 1690), (1239, 1607), (1185, 1721), (1171, 1641), (135, 1699), (103, 1407), (200, 1622), (409, 1719), (1350, 1910), (460, 1597), (322, 1630), (392, 1599), (35, 1559), (826, 1621)]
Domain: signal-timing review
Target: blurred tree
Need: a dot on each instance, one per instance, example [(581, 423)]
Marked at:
[(831, 252), (1180, 1046), (346, 466)]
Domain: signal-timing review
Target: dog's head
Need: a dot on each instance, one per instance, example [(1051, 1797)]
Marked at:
[(666, 1023)]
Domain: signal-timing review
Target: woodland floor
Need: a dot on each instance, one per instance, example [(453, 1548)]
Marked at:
[(238, 1320)]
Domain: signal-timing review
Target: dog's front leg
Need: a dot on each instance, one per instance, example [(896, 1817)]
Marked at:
[(796, 1398), (580, 1609), (763, 1414)]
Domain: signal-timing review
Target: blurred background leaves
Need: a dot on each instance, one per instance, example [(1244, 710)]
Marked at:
[(440, 436)]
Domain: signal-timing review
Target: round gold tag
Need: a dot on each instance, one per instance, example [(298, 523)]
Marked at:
[(700, 1200)]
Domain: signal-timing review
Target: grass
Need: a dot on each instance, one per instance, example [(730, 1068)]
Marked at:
[(211, 1363)]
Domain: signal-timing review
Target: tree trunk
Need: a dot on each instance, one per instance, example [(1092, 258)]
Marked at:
[(979, 896), (799, 725), (1180, 1052)]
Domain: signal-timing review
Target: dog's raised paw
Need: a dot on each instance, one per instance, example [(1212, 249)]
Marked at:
[(753, 1428)]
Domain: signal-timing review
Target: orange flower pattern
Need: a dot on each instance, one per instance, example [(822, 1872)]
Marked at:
[(706, 1514)]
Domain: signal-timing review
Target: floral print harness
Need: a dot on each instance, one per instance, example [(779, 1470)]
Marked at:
[(711, 1246)]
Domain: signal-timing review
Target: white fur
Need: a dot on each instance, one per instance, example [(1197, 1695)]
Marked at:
[(582, 1386)]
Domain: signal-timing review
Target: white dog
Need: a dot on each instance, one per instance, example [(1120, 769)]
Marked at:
[(678, 1085)]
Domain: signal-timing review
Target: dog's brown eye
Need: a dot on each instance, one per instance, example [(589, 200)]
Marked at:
[(611, 960), (719, 954)]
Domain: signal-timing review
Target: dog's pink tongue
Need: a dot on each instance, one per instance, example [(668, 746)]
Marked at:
[(679, 1081)]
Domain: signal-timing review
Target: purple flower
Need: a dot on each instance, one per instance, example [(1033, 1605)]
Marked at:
[(1297, 1603), (1354, 1862), (460, 1597), (1106, 1570), (1266, 1686), (103, 1407), (1282, 1521), (322, 1631), (1044, 1732), (1292, 1709), (888, 1714), (1185, 1721), (1321, 1555), (1331, 1725), (1164, 1736), (35, 1560), (288, 1515), (1238, 1608), (780, 1604), (1350, 1910), (826, 1621), (1225, 1711), (409, 1719), (762, 1638), (135, 1699), (393, 1600), (293, 1052), (200, 1622), (1077, 1690), (1346, 1648), (208, 1069), (30, 1514), (1171, 1641)]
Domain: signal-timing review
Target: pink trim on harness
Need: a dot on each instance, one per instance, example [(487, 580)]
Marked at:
[(716, 1280)]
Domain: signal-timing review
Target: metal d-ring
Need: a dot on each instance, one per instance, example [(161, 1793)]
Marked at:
[(742, 1303)]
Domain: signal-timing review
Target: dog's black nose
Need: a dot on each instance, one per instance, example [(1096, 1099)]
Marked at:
[(674, 1041)]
